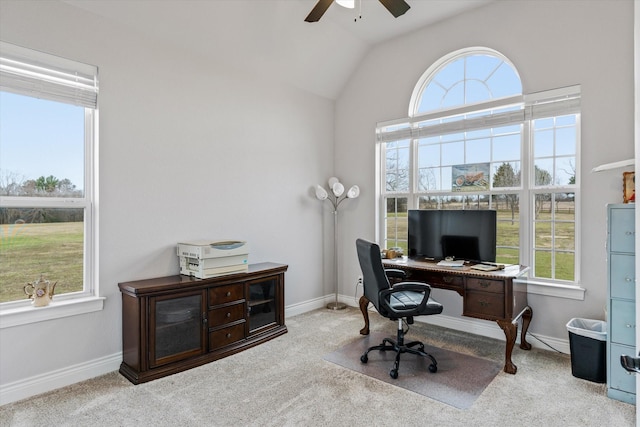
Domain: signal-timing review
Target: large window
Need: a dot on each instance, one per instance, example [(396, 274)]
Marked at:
[(474, 141), (47, 142)]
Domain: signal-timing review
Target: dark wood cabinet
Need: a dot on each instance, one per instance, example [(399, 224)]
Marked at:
[(174, 323)]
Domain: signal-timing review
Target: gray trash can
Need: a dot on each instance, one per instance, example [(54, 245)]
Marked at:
[(588, 345)]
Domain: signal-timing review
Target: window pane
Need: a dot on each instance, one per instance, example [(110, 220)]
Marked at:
[(478, 151), (543, 146), (543, 170), (506, 148), (542, 260), (508, 228), (41, 241), (397, 166), (565, 266), (506, 175), (396, 223), (453, 153), (566, 141), (42, 146), (565, 171)]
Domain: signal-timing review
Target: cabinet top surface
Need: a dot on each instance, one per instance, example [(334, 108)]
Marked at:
[(179, 280)]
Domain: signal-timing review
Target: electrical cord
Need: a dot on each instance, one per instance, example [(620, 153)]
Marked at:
[(548, 345)]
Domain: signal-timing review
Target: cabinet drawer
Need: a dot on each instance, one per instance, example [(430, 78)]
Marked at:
[(225, 336), (485, 285), (228, 314), (484, 305), (620, 378), (225, 294), (622, 230), (623, 322), (622, 274)]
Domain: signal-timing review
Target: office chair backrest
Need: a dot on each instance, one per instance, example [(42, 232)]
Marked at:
[(373, 275)]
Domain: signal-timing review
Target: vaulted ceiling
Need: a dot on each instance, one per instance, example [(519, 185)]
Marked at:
[(272, 37)]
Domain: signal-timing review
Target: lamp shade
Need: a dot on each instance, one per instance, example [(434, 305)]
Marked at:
[(332, 181), (353, 192), (337, 189), (321, 193)]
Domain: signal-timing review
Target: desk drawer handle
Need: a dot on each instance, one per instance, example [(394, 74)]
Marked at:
[(630, 233), (629, 279), (447, 279), (484, 303), (629, 326), (485, 284)]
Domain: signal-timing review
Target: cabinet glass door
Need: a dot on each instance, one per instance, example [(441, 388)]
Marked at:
[(262, 303), (177, 330)]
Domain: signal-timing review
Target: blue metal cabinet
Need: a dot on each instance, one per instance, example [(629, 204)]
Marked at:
[(621, 334)]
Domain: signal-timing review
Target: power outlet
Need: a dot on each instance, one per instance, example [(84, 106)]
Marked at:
[(359, 282)]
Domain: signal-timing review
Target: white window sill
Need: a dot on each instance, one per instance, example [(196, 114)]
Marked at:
[(555, 290), (24, 315)]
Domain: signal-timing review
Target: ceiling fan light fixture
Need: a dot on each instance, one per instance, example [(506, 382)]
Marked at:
[(349, 4)]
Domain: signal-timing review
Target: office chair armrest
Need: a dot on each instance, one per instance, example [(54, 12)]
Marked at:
[(395, 273), (423, 288)]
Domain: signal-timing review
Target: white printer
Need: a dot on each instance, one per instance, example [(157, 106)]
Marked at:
[(210, 258)]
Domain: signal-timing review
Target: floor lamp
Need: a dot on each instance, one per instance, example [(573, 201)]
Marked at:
[(336, 196)]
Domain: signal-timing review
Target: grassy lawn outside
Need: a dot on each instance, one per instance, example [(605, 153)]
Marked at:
[(54, 250)]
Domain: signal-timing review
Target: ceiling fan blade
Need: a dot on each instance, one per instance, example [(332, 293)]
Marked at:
[(318, 10), (396, 7)]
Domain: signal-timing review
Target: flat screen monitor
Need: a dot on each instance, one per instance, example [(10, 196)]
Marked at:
[(463, 234)]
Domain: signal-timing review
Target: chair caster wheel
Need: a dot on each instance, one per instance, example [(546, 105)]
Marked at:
[(364, 358), (433, 368), (393, 374)]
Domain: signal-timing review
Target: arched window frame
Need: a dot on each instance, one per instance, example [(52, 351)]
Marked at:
[(401, 136)]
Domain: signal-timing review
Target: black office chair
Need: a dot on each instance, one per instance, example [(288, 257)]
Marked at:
[(402, 301)]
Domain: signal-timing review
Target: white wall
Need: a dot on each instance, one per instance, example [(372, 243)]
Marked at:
[(189, 148), (552, 44)]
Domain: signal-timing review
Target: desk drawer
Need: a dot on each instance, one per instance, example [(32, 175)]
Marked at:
[(225, 294), (225, 336), (446, 281), (483, 305), (222, 315), (485, 285)]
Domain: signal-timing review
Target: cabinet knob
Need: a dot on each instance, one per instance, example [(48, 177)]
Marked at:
[(228, 314), (228, 335), (228, 294)]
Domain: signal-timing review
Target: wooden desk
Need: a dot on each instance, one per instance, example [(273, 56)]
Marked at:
[(489, 295)]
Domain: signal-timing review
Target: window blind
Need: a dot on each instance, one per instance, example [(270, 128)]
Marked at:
[(551, 103), (40, 75)]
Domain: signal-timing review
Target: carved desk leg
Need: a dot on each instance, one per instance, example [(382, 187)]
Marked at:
[(526, 320), (510, 332), (364, 304)]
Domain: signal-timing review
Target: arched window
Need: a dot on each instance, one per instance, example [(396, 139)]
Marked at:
[(473, 140), (465, 77)]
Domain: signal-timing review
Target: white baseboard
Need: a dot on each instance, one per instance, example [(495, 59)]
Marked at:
[(49, 381)]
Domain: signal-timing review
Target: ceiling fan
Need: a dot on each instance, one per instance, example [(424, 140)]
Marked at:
[(396, 7)]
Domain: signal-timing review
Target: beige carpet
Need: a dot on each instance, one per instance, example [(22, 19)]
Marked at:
[(460, 378), (286, 382)]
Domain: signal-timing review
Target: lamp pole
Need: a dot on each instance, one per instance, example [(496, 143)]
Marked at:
[(336, 197)]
